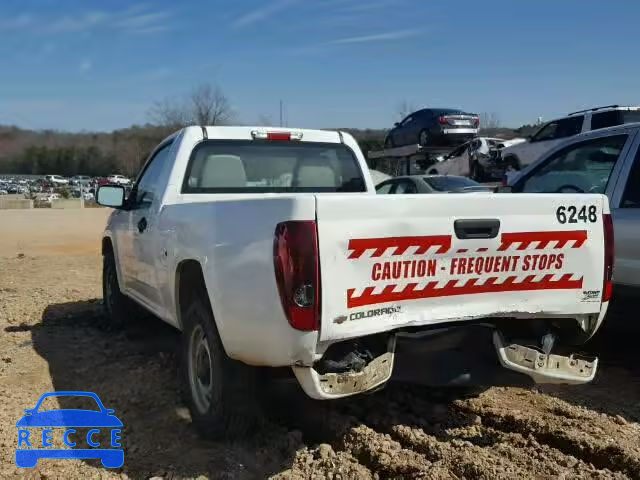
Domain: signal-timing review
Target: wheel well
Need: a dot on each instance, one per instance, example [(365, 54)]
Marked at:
[(433, 172), (107, 246), (189, 280)]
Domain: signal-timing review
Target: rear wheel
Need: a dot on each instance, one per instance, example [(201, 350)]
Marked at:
[(220, 392), (118, 307)]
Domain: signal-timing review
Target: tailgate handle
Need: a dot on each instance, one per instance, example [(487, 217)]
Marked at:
[(469, 229)]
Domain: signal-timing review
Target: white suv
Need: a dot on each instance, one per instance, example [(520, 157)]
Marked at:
[(553, 132)]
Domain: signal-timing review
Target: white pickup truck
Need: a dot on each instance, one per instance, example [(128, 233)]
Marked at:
[(270, 248)]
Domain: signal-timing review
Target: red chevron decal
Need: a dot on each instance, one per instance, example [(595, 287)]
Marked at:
[(358, 246), (525, 239), (409, 292)]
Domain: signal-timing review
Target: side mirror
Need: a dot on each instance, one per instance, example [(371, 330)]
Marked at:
[(111, 196), (396, 124)]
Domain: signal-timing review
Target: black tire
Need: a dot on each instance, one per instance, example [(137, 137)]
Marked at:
[(119, 309), (512, 162), (220, 392), (432, 172), (423, 138), (476, 172)]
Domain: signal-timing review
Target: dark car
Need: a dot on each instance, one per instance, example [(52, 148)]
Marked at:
[(434, 127), (430, 184)]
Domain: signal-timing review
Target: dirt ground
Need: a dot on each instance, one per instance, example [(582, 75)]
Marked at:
[(53, 337)]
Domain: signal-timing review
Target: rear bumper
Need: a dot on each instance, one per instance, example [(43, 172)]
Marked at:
[(466, 355), (453, 136)]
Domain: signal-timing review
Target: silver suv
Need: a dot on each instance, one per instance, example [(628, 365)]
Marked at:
[(554, 132)]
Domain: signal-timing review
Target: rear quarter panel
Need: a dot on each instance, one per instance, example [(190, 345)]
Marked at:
[(232, 239)]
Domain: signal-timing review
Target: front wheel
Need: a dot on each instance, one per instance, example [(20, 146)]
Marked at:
[(220, 391), (118, 307)]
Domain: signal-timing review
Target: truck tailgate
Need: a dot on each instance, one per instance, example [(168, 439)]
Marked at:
[(409, 260)]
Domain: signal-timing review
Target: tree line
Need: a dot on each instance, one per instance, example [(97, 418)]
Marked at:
[(125, 150)]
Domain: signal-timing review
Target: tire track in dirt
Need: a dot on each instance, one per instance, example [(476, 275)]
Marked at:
[(456, 438), (586, 437)]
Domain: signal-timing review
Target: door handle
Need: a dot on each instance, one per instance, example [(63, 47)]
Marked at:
[(470, 229), (142, 225)]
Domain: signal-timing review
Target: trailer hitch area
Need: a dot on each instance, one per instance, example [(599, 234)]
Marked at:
[(544, 366), (356, 368)]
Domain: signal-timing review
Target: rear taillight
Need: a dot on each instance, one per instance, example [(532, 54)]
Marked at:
[(607, 288), (476, 122), (295, 260), (442, 120)]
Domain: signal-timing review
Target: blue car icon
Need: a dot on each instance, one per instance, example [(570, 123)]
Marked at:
[(67, 419)]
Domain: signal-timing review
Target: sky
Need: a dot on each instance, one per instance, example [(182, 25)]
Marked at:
[(100, 65)]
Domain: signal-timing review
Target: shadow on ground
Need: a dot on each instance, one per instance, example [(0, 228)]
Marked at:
[(134, 372), (616, 388)]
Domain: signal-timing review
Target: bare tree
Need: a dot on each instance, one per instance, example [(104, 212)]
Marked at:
[(405, 108), (210, 106), (489, 120), (170, 113), (205, 105)]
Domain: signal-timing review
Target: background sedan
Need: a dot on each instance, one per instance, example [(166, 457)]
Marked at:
[(430, 184)]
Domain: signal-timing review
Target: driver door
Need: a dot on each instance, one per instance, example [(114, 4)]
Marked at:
[(141, 244)]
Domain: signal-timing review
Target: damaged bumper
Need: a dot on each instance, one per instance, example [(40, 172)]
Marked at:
[(337, 385), (545, 368)]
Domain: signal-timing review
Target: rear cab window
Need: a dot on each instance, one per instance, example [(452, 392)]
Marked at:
[(237, 166)]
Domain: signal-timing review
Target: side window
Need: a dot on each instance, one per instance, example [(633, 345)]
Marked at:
[(631, 197), (605, 119), (547, 132), (407, 120), (406, 186), (581, 167), (568, 127), (384, 188), (147, 185)]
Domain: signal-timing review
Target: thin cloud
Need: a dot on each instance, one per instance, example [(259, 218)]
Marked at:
[(261, 14), (368, 6), (79, 23), (16, 23), (139, 18), (376, 37), (143, 21), (85, 66)]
